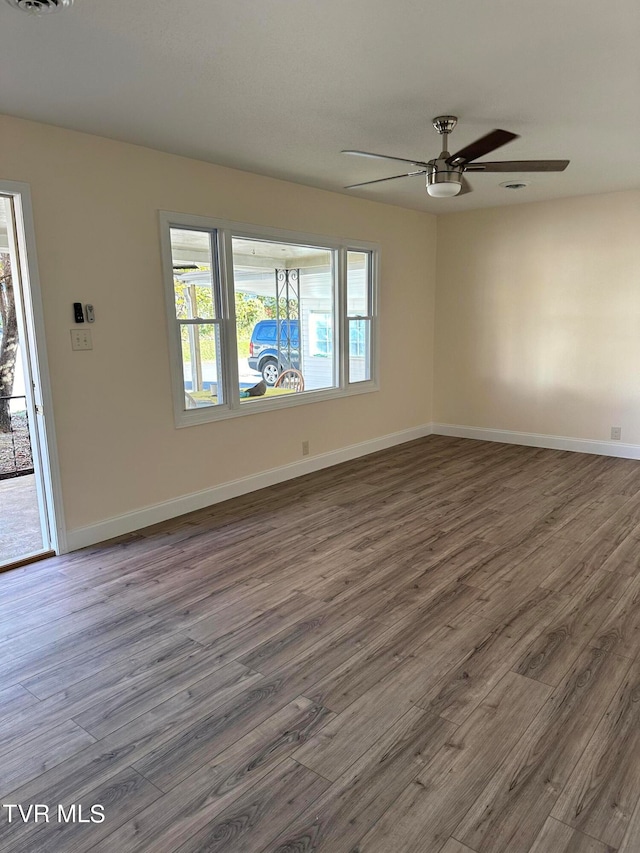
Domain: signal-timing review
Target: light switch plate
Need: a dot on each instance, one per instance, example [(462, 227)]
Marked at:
[(81, 339)]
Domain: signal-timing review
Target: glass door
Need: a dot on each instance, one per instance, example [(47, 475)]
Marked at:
[(25, 514)]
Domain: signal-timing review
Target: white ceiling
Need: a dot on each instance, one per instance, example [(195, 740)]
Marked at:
[(279, 87)]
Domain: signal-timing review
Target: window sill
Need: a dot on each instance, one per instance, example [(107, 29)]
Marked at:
[(209, 414)]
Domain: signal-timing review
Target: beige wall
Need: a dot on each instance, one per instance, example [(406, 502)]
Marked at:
[(537, 305), (96, 205), (538, 318)]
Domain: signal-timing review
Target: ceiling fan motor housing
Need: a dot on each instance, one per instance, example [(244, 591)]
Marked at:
[(443, 180), (40, 7)]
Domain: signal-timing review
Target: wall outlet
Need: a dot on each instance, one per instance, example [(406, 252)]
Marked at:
[(616, 433), (305, 448), (81, 339)]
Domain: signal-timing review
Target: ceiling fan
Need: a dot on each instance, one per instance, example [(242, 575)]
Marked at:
[(445, 174)]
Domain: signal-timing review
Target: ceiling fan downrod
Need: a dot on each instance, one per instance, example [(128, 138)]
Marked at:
[(444, 125), (443, 179)]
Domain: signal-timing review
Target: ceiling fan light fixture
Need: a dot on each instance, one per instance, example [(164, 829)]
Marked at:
[(443, 184), (446, 189)]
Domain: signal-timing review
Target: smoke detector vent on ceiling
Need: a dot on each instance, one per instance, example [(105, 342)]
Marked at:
[(40, 7)]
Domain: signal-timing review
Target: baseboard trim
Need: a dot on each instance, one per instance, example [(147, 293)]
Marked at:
[(119, 525), (532, 439)]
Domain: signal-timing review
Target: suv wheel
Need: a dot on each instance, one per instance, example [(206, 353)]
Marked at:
[(270, 371)]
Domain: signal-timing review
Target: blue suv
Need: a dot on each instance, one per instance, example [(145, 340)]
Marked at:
[(270, 356)]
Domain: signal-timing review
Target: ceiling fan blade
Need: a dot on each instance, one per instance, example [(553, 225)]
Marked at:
[(380, 180), (481, 146), (465, 186), (519, 166), (384, 157)]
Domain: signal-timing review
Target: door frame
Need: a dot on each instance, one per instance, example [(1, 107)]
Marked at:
[(39, 398)]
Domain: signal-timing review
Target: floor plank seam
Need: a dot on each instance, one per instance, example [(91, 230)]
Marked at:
[(311, 770), (161, 791), (531, 677), (24, 687), (582, 832), (470, 849)]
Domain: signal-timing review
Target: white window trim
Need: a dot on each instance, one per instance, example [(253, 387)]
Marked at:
[(226, 229)]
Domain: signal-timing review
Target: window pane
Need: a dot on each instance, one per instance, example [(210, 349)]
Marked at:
[(359, 350), (279, 288), (193, 284), (201, 365), (321, 334), (358, 284)]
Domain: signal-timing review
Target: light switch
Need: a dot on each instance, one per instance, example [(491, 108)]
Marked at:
[(81, 339)]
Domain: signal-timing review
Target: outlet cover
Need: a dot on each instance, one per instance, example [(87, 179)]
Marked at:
[(305, 448), (616, 433)]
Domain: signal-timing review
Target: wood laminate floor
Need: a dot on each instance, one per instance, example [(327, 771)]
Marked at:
[(434, 648)]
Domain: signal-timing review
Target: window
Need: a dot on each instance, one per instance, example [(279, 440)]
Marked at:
[(359, 314), (321, 334), (321, 330), (262, 319), (198, 316), (357, 339)]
